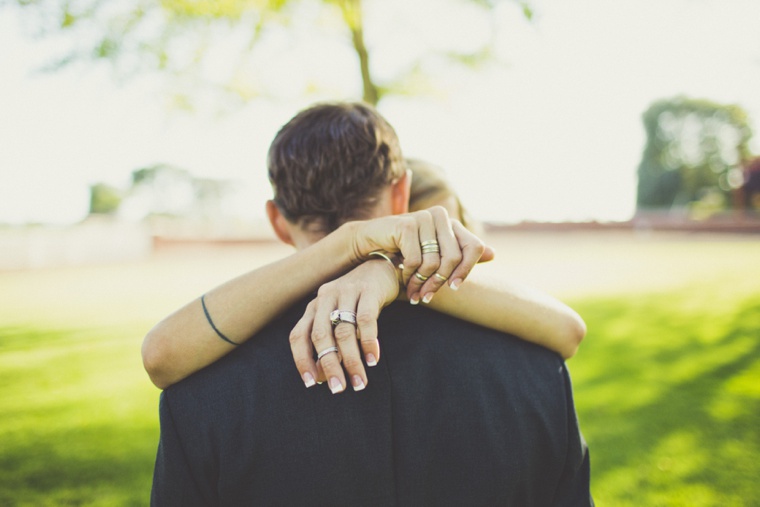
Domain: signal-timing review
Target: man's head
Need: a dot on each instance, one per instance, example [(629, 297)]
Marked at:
[(333, 163)]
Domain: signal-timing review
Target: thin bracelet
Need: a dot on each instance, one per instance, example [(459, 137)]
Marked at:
[(208, 318), (387, 257)]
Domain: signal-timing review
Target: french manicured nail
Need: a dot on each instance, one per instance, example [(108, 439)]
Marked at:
[(357, 382), (308, 379), (415, 299), (428, 297), (455, 284), (335, 385), (371, 359)]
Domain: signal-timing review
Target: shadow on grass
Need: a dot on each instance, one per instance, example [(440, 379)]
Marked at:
[(669, 401), (79, 424), (667, 388), (87, 466)]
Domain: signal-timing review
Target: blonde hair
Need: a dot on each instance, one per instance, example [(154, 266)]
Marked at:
[(431, 188)]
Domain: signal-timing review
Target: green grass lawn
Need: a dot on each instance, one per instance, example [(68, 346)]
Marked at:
[(78, 424), (668, 392), (667, 386)]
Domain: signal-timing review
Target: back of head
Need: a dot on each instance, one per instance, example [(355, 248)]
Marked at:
[(330, 162)]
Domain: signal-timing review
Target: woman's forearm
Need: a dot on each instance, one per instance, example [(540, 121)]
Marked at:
[(185, 342), (526, 313)]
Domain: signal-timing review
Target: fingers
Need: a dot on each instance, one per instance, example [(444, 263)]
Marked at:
[(472, 249), (449, 261), (337, 346), (302, 349), (322, 340), (421, 268), (410, 244), (449, 257), (345, 337), (367, 313)]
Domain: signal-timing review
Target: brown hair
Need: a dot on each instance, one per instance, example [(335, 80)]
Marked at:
[(330, 162)]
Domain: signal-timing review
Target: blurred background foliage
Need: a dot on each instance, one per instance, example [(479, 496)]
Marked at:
[(695, 160), (695, 155), (180, 37)]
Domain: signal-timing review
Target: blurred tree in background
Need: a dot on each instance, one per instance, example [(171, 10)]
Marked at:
[(694, 155), (104, 199), (183, 37), (165, 190)]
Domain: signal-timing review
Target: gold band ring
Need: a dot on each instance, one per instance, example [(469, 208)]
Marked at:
[(420, 276), (429, 242), (440, 277)]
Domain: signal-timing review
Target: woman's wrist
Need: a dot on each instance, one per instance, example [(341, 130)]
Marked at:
[(347, 234), (395, 286), (394, 263)]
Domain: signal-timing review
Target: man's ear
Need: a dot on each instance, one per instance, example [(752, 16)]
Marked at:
[(400, 191), (279, 223)]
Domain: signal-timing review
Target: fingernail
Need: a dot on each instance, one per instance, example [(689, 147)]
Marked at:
[(455, 284), (415, 299), (335, 385), (358, 383), (308, 379), (371, 360), (428, 297)]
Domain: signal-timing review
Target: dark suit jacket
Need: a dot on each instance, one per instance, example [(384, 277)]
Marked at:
[(453, 414)]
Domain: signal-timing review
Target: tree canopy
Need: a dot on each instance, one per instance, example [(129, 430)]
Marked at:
[(694, 153), (189, 37)]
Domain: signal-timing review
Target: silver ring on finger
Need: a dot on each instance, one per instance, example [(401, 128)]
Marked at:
[(328, 350), (338, 316)]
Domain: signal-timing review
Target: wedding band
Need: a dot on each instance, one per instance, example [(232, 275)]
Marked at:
[(430, 249), (420, 277), (327, 351), (338, 316), (440, 276), (429, 242)]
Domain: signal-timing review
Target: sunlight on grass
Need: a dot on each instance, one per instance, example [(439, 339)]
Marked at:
[(666, 391), (78, 424), (667, 382)]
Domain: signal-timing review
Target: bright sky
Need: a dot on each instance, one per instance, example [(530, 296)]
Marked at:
[(555, 134)]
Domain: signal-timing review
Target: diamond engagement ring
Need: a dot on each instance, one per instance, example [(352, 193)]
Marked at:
[(338, 316)]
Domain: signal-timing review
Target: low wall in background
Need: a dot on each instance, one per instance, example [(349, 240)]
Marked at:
[(103, 240), (91, 242)]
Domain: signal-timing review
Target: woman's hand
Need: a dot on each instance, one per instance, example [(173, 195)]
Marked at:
[(425, 269), (365, 291)]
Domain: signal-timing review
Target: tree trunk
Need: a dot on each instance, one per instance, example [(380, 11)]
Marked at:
[(352, 14)]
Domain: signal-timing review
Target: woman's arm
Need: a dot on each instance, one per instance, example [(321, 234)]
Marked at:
[(520, 311), (185, 342)]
